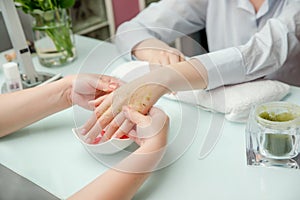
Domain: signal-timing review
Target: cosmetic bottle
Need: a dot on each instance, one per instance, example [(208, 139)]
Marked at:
[(12, 77)]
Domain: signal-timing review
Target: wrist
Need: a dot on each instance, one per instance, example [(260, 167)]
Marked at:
[(67, 87), (165, 78), (186, 75), (158, 141), (154, 145)]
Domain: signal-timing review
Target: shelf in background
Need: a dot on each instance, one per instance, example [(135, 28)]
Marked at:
[(91, 24)]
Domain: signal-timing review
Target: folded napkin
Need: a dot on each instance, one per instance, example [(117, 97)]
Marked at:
[(234, 101)]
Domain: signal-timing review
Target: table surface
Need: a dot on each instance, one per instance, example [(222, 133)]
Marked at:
[(48, 154)]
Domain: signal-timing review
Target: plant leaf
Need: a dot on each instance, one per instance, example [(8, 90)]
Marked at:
[(65, 3)]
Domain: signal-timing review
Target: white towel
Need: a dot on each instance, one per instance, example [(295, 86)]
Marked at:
[(234, 101)]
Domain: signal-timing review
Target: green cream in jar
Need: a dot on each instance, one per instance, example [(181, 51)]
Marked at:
[(278, 122)]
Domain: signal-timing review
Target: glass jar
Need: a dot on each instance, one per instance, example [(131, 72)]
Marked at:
[(54, 40), (273, 134)]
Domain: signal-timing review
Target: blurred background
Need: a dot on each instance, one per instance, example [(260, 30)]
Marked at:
[(90, 18), (99, 19)]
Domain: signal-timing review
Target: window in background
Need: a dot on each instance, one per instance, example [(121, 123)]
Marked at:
[(100, 18), (89, 18)]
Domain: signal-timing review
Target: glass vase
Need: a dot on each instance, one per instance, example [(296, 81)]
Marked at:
[(53, 37)]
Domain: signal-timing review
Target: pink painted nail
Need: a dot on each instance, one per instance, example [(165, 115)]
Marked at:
[(88, 140), (97, 140), (83, 131)]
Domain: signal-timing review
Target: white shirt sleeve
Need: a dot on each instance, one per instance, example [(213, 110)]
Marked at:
[(263, 54), (165, 20)]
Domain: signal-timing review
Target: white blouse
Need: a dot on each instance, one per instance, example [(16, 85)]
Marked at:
[(244, 45)]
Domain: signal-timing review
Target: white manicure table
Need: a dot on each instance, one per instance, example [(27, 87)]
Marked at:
[(48, 154)]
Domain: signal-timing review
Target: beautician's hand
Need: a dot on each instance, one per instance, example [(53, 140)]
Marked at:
[(124, 179), (87, 87), (138, 95), (157, 52), (40, 102), (150, 130)]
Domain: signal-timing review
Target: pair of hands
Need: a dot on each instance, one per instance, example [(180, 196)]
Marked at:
[(98, 92), (107, 114), (88, 87)]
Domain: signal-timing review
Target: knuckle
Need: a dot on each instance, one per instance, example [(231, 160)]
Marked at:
[(114, 125), (163, 53), (98, 114), (104, 121)]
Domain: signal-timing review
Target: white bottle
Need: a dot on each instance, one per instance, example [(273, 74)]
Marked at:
[(12, 77)]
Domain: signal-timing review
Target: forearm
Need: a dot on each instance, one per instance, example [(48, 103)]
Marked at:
[(22, 108), (187, 75), (181, 76), (122, 182)]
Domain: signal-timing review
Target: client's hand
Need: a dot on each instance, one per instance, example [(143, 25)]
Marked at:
[(157, 52), (87, 87), (138, 95)]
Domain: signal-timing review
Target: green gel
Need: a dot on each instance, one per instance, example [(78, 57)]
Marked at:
[(282, 117), (278, 144)]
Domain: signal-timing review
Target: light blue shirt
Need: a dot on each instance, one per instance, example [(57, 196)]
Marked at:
[(244, 45)]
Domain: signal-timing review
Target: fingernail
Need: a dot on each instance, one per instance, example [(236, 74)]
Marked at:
[(102, 132), (83, 131), (88, 140), (91, 103), (97, 140), (124, 137), (113, 86)]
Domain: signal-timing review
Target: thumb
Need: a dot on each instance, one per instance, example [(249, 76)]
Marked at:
[(136, 117)]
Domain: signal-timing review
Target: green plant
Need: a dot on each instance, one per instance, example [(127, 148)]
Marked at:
[(30, 6), (49, 19)]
